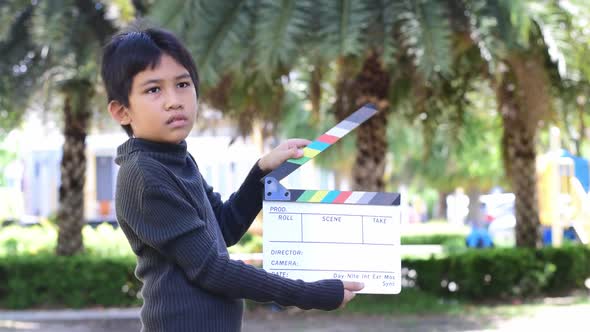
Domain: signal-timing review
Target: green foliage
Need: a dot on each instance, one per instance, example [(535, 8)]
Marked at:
[(249, 243), (298, 122), (281, 26), (16, 240), (439, 239), (216, 31), (566, 31), (5, 158), (342, 27), (237, 43), (493, 20), (44, 44), (71, 36), (45, 280), (79, 281), (571, 265), (10, 12), (503, 273), (409, 301), (31, 276), (385, 20), (459, 149), (452, 241), (55, 44), (105, 241), (427, 34), (102, 241), (22, 62)]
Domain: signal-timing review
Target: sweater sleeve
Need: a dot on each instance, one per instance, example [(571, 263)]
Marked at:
[(168, 223), (236, 214)]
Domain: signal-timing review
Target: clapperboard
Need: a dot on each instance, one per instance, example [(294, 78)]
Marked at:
[(327, 234)]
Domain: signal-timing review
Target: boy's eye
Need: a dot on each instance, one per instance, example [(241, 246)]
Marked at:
[(153, 90), (183, 84)]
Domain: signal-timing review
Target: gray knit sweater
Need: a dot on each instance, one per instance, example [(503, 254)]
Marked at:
[(179, 229)]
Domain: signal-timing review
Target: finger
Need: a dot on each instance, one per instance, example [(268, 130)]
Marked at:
[(290, 153), (353, 285), (298, 154), (295, 152), (298, 142)]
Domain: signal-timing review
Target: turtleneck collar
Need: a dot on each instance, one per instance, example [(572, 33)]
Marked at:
[(172, 151)]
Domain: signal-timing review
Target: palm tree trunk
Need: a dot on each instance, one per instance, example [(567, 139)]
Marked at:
[(518, 143), (369, 167), (373, 86), (520, 146), (70, 214), (521, 109)]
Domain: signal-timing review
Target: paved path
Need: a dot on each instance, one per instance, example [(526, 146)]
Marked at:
[(570, 318)]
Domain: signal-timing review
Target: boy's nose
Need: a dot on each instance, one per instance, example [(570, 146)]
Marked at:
[(172, 101)]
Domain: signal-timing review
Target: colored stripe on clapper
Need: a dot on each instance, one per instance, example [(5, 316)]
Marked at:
[(325, 141), (344, 197)]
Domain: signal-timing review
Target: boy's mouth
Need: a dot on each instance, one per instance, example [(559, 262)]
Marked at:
[(176, 118)]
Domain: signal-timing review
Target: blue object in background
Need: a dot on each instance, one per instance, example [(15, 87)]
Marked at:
[(479, 238), (582, 172), (581, 169), (569, 234), (546, 236)]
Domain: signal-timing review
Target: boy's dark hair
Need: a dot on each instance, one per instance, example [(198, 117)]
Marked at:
[(131, 52)]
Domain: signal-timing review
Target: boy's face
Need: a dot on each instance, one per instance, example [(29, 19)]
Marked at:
[(162, 103)]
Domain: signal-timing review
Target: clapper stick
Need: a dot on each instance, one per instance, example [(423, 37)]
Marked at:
[(326, 234), (275, 191), (323, 142)]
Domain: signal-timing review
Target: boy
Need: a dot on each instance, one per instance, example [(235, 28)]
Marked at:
[(176, 225)]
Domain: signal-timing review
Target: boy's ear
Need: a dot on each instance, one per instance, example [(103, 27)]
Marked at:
[(119, 112)]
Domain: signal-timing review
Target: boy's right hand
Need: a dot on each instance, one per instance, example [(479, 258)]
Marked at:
[(350, 287)]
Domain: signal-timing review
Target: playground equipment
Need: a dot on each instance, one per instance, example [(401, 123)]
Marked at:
[(563, 191)]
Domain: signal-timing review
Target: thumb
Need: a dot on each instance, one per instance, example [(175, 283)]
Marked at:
[(353, 285)]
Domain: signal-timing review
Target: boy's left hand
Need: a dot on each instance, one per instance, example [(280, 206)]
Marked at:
[(288, 149)]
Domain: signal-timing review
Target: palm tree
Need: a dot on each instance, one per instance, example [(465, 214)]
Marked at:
[(389, 52), (246, 49), (517, 41), (68, 34), (19, 57)]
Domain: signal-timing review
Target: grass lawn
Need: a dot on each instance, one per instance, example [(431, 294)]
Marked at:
[(415, 302)]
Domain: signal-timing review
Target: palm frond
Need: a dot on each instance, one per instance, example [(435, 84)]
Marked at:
[(216, 32), (505, 24), (386, 17), (177, 15), (22, 63), (342, 25), (9, 14), (521, 21), (565, 33), (69, 34), (427, 34), (18, 49), (281, 29)]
